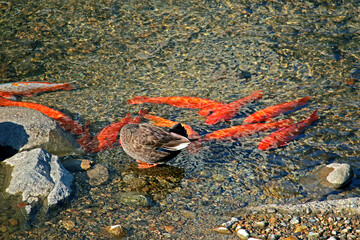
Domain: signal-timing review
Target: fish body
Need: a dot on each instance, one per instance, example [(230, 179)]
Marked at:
[(284, 135), (177, 101), (9, 90), (62, 120), (230, 110), (275, 110), (239, 131), (108, 135)]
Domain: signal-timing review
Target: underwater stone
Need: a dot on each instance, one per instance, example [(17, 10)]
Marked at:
[(98, 175), (134, 198), (335, 175)]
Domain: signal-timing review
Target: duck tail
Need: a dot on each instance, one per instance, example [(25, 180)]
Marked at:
[(179, 129)]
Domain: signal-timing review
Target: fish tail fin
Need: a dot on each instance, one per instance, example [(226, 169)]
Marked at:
[(285, 122), (5, 102), (304, 100), (142, 112), (258, 94), (68, 86), (204, 112), (137, 100), (313, 117)]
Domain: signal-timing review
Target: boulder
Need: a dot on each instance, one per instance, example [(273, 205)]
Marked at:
[(37, 175), (24, 129)]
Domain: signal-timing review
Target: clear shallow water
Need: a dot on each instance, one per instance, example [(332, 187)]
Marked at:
[(115, 50)]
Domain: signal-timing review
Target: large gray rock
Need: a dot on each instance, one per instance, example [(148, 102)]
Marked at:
[(24, 129), (39, 174)]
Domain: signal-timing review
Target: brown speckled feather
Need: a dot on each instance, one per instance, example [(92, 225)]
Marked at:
[(144, 142)]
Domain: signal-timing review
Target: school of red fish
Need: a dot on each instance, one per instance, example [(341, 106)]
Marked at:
[(214, 112)]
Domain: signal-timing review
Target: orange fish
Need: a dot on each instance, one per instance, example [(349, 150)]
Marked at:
[(108, 135), (162, 122), (64, 121), (284, 135), (230, 110), (275, 110), (239, 131), (105, 138), (9, 90), (206, 105)]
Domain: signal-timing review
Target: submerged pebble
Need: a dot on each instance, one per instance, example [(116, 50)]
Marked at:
[(335, 175), (116, 230)]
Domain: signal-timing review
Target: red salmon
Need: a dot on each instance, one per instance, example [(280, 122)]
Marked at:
[(9, 90), (284, 135), (64, 121), (230, 110), (275, 110), (239, 131)]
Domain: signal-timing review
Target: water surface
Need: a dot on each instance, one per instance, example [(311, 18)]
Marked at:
[(224, 51)]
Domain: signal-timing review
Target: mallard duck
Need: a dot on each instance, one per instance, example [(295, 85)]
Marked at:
[(150, 145)]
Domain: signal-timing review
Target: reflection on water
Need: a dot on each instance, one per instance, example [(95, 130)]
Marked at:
[(223, 51)]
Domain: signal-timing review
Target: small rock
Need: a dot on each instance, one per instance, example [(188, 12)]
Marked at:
[(116, 230), (295, 220), (133, 198), (242, 233), (260, 224), (77, 165), (13, 222), (313, 235), (86, 164), (231, 222), (273, 237), (67, 224), (222, 230), (98, 175), (335, 175), (300, 228), (188, 213)]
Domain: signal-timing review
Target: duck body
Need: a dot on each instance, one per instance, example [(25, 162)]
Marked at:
[(152, 145)]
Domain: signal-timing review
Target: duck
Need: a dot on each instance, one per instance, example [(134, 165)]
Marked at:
[(151, 145)]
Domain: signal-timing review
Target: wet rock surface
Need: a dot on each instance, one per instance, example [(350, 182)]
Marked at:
[(38, 175), (25, 129), (98, 175), (335, 175)]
